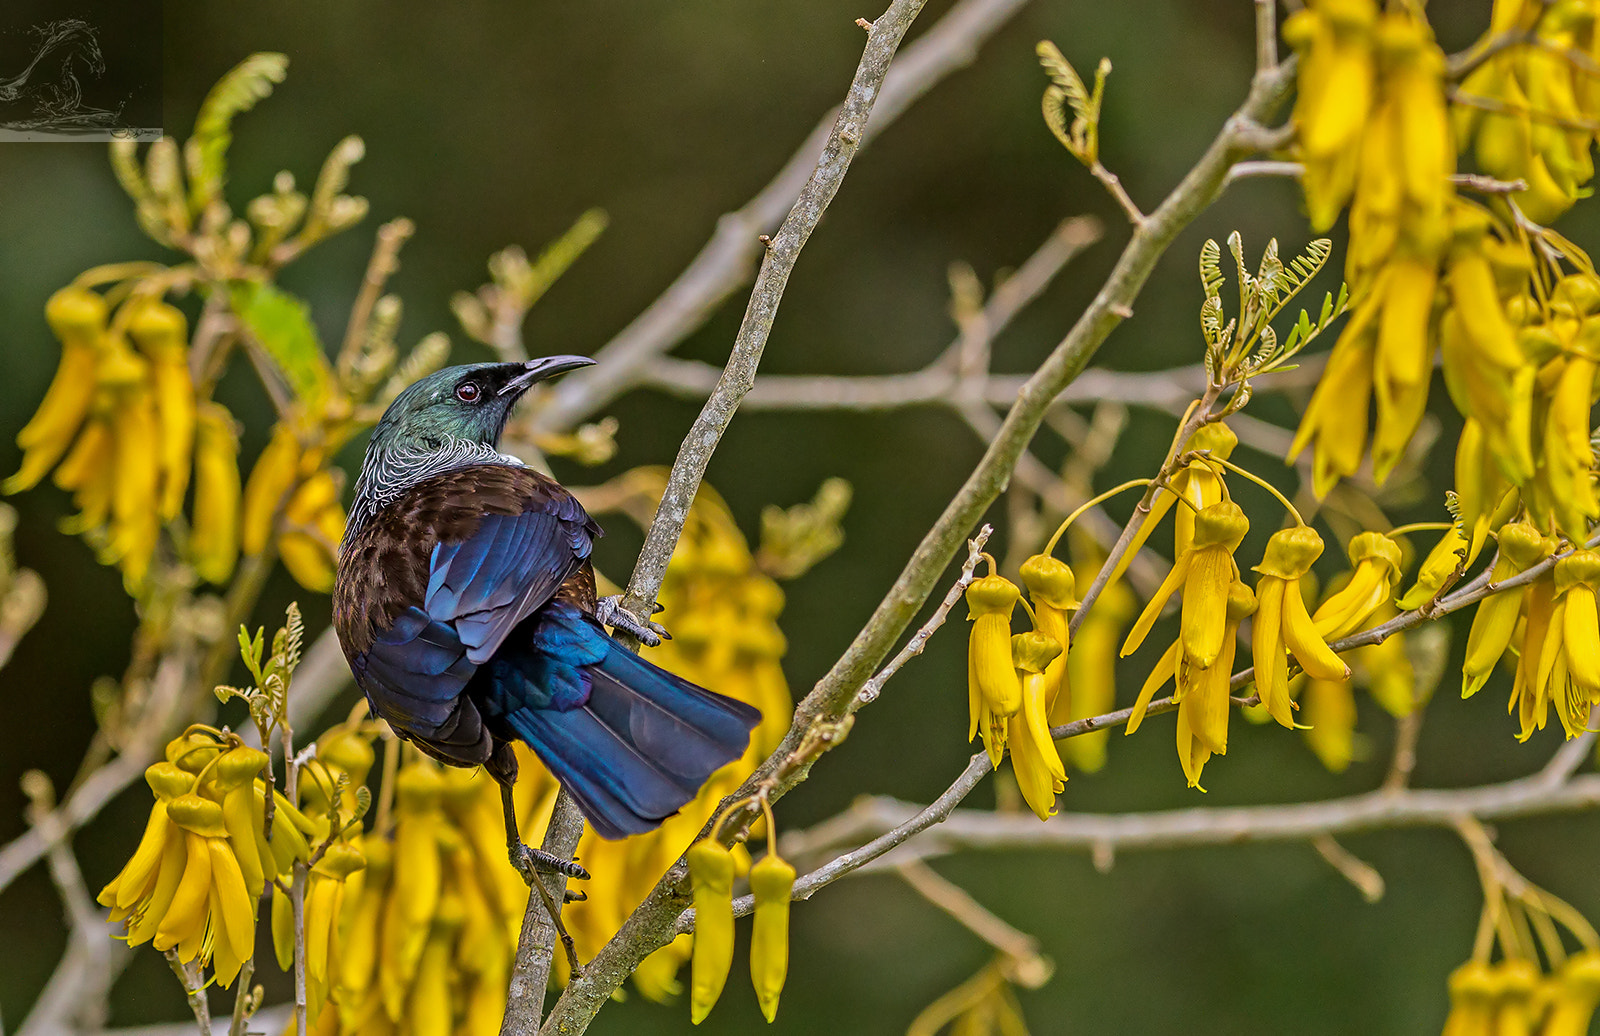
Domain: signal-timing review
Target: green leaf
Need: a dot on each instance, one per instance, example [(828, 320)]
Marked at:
[(281, 323), (237, 91)]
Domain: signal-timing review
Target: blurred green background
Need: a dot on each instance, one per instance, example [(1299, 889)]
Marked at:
[(491, 124)]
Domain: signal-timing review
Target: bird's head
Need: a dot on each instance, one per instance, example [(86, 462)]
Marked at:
[(467, 403)]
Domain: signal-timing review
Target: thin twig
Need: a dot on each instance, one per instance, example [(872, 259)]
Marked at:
[(381, 266), (1019, 946), (919, 640), (194, 989), (1351, 867)]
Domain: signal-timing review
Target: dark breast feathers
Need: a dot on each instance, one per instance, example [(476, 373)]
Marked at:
[(430, 588)]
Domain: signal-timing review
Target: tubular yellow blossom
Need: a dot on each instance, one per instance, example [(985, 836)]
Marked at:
[(1569, 661), (1336, 418), (1386, 670), (1377, 569), (1198, 482), (711, 874), (1205, 572), (1034, 759), (1283, 624), (161, 333), (1577, 994), (270, 481), (1447, 555), (1472, 994), (994, 694), (143, 889), (1521, 547), (1480, 485), (1202, 693), (1091, 669), (417, 877), (212, 911), (78, 319), (1052, 588), (325, 894), (1336, 87), (1330, 712), (214, 535), (772, 882), (235, 785), (313, 526)]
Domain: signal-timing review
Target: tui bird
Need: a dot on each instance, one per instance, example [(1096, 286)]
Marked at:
[(465, 604)]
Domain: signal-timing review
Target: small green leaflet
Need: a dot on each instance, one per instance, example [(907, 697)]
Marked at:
[(282, 324)]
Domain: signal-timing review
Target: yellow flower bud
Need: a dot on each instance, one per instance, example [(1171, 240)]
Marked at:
[(711, 876), (772, 882), (993, 688)]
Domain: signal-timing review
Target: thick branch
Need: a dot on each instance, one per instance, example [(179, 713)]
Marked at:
[(725, 262)]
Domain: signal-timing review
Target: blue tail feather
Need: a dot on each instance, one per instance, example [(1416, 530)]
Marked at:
[(632, 742)]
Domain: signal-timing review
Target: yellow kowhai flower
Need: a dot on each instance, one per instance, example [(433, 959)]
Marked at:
[(214, 534), (1484, 496), (296, 480), (1485, 369), (994, 694), (1202, 693), (78, 319), (1283, 624), (711, 876), (1521, 547), (1198, 482), (1473, 987), (324, 908), (1337, 75), (211, 915), (1575, 995), (1329, 707), (1034, 759), (1567, 457), (1386, 671), (1091, 671), (1451, 552), (1053, 590), (161, 332), (772, 883), (143, 889), (1569, 662), (1335, 421), (1377, 569), (1205, 572)]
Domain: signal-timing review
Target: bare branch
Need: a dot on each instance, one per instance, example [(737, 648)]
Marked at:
[(1171, 829)]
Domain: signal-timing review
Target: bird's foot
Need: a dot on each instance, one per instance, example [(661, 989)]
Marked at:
[(530, 861), (575, 896), (609, 611)]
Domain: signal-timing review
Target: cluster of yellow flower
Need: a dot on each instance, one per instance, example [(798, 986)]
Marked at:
[(412, 925), (712, 870), (194, 882), (1432, 274), (118, 426), (723, 613), (1513, 997), (1529, 110)]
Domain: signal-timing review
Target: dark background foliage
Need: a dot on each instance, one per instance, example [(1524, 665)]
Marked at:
[(497, 123)]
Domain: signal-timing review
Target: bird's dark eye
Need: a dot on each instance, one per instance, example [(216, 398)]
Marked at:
[(468, 392)]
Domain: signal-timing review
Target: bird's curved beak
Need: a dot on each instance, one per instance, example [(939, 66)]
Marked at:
[(542, 368)]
